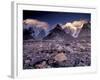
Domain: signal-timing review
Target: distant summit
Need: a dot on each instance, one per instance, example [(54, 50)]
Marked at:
[(57, 33), (87, 26)]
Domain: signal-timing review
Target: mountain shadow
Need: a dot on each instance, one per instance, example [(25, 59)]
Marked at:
[(58, 34)]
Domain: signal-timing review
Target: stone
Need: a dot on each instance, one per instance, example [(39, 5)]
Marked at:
[(50, 61), (80, 46), (59, 47), (89, 44), (69, 49), (27, 61), (41, 65), (60, 57), (83, 41)]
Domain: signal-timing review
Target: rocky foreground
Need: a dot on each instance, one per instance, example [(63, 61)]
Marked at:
[(54, 54)]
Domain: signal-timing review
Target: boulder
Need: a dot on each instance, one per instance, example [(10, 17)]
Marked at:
[(41, 65), (60, 57), (80, 46), (68, 48), (27, 61)]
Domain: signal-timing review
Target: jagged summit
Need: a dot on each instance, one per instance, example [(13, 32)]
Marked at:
[(57, 33)]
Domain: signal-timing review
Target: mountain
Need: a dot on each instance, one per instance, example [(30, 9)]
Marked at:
[(33, 32), (85, 31), (27, 34), (41, 34), (57, 33), (87, 26)]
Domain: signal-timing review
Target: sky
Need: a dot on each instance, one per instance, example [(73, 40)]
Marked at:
[(53, 18)]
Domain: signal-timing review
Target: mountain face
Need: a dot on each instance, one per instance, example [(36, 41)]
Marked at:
[(27, 34), (87, 26), (58, 34), (32, 32), (85, 31)]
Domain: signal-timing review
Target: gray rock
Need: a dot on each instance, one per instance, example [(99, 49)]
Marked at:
[(27, 61), (68, 48)]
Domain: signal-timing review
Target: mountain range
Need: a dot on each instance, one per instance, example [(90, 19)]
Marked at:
[(57, 33)]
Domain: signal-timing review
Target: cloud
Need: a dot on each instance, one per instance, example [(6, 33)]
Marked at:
[(35, 22), (74, 27), (77, 24)]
